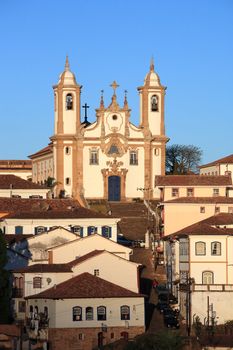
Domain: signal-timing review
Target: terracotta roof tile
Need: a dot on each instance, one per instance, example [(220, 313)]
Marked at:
[(46, 150), (45, 268), (16, 164), (193, 180), (16, 182), (85, 286), (202, 200), (11, 239), (224, 160), (220, 219)]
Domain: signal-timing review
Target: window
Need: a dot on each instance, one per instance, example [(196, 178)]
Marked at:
[(40, 229), (101, 313), (200, 248), (154, 103), (91, 230), (67, 180), (202, 210), (133, 158), (175, 192), (125, 312), (22, 306), (96, 272), (190, 192), (18, 230), (69, 101), (77, 313), (217, 210), (37, 282), (67, 150), (94, 157), (114, 117), (207, 277), (216, 192), (215, 248), (78, 230), (156, 151), (184, 248), (107, 231), (89, 313), (81, 336)]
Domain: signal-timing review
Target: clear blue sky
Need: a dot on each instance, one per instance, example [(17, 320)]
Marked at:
[(106, 40)]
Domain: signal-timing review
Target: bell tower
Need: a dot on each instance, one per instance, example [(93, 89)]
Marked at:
[(66, 125)]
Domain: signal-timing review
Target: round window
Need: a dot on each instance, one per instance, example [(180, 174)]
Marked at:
[(114, 117)]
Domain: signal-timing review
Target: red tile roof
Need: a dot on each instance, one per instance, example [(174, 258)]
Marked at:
[(11, 239), (224, 160), (46, 150), (45, 268), (193, 180), (16, 182), (85, 286), (202, 200), (220, 219), (16, 164)]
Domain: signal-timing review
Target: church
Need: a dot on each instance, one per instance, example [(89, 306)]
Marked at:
[(110, 158)]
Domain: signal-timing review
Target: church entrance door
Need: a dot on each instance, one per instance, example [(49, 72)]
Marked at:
[(114, 188)]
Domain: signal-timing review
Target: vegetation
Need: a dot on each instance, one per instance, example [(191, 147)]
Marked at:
[(4, 283), (182, 159)]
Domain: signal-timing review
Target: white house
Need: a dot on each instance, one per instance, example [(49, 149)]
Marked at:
[(12, 186), (85, 311)]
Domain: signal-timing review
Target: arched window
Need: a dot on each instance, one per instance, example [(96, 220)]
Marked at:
[(154, 103), (89, 313), (40, 229), (67, 180), (215, 248), (125, 312), (37, 282), (200, 248), (69, 101), (207, 277), (107, 231), (77, 313), (18, 230), (78, 230), (67, 150), (101, 313)]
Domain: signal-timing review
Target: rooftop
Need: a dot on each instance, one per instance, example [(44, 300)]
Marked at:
[(16, 182), (202, 200), (224, 160), (193, 180)]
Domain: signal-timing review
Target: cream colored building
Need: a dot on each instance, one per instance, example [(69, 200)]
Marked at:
[(222, 166), (202, 254), (110, 158), (21, 168)]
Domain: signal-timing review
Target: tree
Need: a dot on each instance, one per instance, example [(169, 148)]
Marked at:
[(4, 283), (182, 159)]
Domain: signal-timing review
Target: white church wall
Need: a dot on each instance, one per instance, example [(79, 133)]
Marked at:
[(69, 116)]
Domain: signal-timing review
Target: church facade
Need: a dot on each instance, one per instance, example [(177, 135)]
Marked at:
[(110, 158)]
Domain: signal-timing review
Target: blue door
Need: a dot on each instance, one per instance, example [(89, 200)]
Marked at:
[(114, 188)]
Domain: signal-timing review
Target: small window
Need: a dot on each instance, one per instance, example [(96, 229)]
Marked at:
[(190, 192), (207, 277), (202, 210), (40, 229), (78, 230), (217, 210), (67, 180), (67, 150), (125, 312), (184, 248), (96, 272), (133, 158), (22, 306), (228, 172), (107, 231), (156, 151), (215, 248), (101, 313), (81, 336), (89, 313), (114, 117), (18, 230), (154, 103), (200, 248), (216, 192), (112, 335), (94, 157), (175, 192), (37, 282), (77, 313), (91, 230), (69, 101)]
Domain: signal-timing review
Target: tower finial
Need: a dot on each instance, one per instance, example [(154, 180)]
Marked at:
[(152, 67), (67, 64), (102, 99), (114, 85), (125, 100)]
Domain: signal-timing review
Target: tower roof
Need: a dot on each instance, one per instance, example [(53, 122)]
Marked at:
[(152, 78), (67, 77)]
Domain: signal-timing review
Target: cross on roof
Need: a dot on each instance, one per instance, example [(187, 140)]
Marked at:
[(114, 85)]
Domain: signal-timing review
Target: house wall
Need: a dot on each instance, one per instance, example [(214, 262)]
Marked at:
[(68, 252), (199, 191), (105, 263), (24, 193)]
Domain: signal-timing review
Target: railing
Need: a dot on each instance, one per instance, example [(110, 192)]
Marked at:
[(212, 287)]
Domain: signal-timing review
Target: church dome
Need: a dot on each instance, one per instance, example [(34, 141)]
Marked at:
[(152, 78), (67, 77)]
